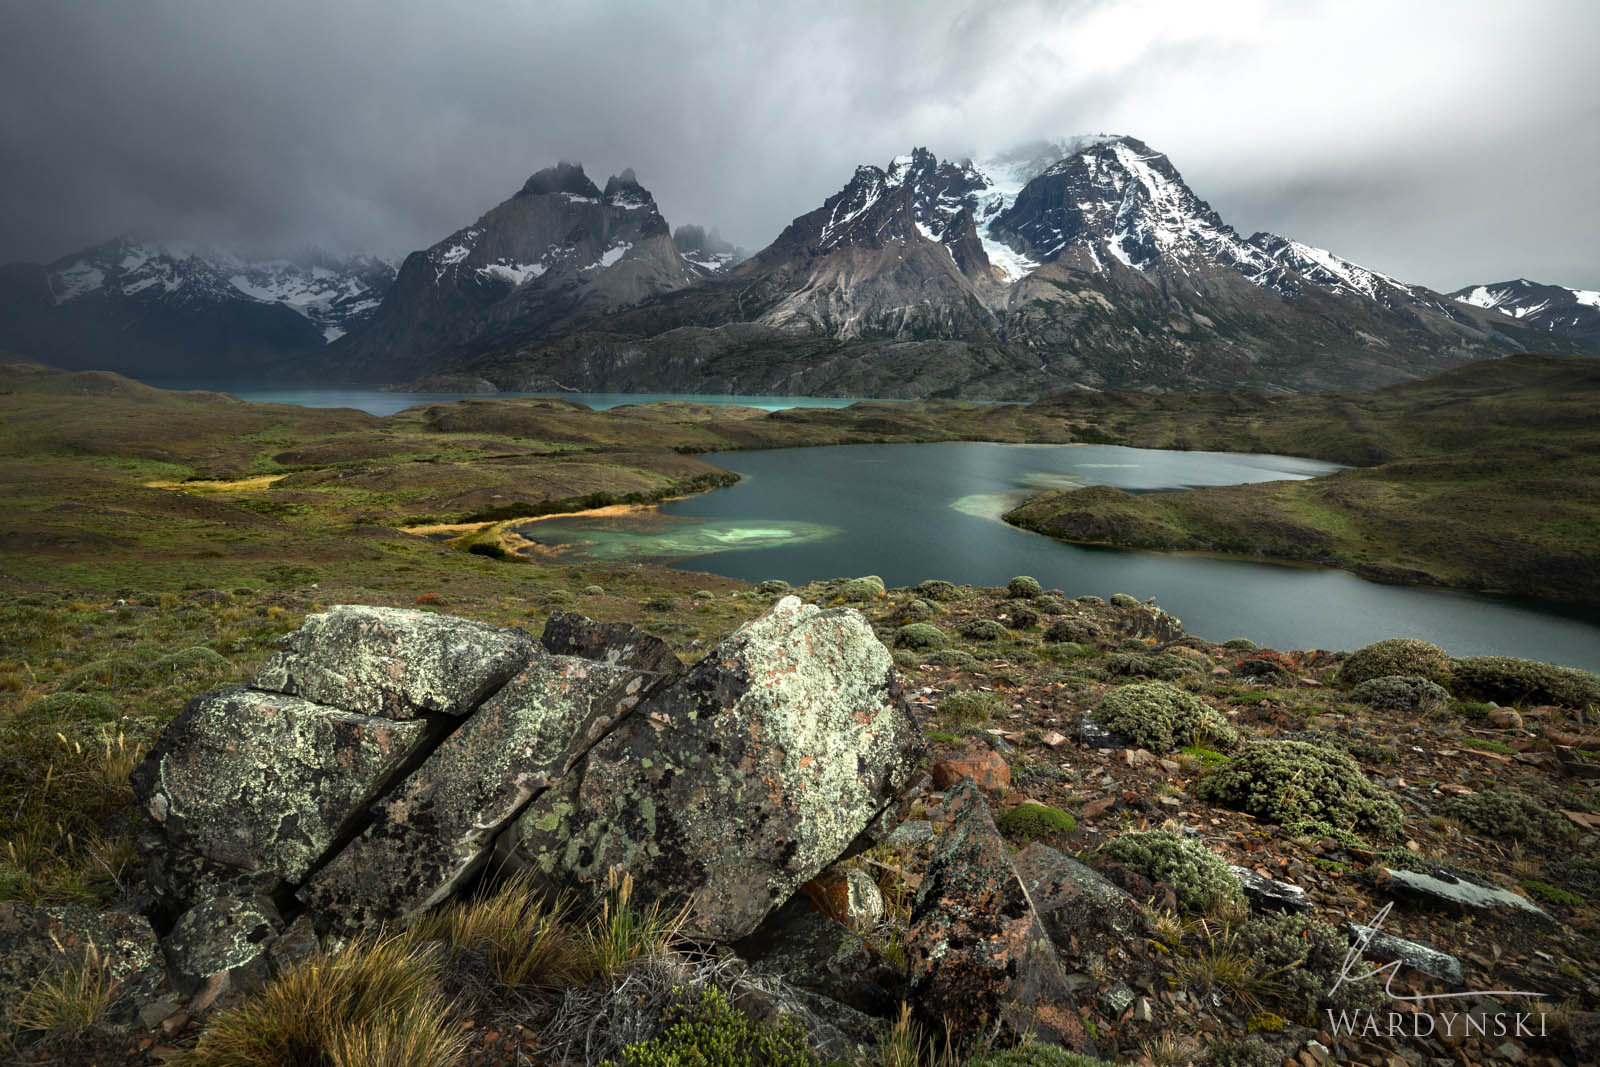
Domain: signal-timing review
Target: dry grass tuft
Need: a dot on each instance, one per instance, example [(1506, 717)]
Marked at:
[(377, 1003), (67, 1001), (529, 944)]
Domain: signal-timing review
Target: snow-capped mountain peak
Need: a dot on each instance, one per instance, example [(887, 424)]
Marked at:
[(1567, 311), (334, 294)]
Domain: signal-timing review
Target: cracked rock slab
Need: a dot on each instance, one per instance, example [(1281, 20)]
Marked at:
[(436, 828), (980, 959), (245, 791), (1459, 895), (1386, 948), (567, 633), (1269, 894), (737, 784), (396, 663)]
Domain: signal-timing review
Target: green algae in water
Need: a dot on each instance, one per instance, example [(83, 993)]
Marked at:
[(656, 536)]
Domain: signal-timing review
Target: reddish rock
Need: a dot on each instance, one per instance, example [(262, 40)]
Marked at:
[(980, 763), (980, 959)]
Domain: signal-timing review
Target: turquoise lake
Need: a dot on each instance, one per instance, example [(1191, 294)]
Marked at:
[(910, 512)]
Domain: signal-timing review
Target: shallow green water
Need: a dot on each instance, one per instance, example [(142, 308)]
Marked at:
[(910, 512)]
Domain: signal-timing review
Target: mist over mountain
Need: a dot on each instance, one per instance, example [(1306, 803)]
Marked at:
[(1086, 262)]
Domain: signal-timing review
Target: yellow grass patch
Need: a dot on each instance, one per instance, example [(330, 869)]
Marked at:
[(240, 485)]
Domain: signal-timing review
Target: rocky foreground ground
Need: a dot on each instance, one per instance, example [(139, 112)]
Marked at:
[(1089, 827)]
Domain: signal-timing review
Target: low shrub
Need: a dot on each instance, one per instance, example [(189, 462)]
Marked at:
[(1504, 812), (1050, 604), (1198, 877), (938, 589), (703, 1030), (969, 708), (1507, 680), (1123, 600), (1400, 692), (921, 637), (1396, 655), (1240, 644), (918, 610), (773, 587), (1161, 717), (858, 589), (1032, 821), (952, 657), (1022, 587), (1163, 665), (1545, 893), (1034, 1054), (1286, 781), (1251, 1051), (1305, 958), (1082, 631), (1020, 617), (981, 630)]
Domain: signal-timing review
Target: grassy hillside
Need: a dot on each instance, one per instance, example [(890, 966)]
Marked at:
[(1484, 478)]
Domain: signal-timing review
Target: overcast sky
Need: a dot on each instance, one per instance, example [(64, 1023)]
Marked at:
[(1444, 143)]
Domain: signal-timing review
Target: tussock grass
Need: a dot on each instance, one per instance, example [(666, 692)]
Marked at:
[(529, 943), (621, 933), (378, 1003), (69, 1000)]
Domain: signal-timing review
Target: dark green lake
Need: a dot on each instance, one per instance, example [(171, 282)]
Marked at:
[(910, 512)]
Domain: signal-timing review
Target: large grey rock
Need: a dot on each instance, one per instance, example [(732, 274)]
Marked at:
[(395, 662), (1388, 948), (1459, 895), (222, 934), (1088, 917), (436, 828), (739, 783), (566, 633), (246, 790), (981, 961)]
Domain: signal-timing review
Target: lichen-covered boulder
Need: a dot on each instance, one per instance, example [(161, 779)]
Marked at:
[(1090, 920), (436, 828), (222, 934), (39, 943), (981, 961), (394, 662), (566, 633), (739, 783), (246, 790)]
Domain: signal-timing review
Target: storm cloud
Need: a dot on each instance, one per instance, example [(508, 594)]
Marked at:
[(1444, 143)]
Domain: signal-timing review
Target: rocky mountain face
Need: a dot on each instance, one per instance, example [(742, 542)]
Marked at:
[(560, 252), (707, 250), (162, 310), (1069, 264), (1572, 313)]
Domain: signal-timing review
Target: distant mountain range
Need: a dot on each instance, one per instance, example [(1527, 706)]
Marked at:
[(1084, 263), (1570, 312), (171, 311)]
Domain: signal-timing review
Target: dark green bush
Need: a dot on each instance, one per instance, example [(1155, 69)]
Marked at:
[(1198, 876), (1035, 1054), (952, 657), (1023, 586), (1049, 604), (1288, 781), (1030, 821), (921, 636), (1504, 812), (1123, 600), (1397, 655), (1020, 617), (1400, 692), (1507, 680), (1240, 644), (937, 589), (1305, 956), (969, 708), (1082, 631), (707, 1031), (1164, 665), (1161, 717), (981, 630)]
